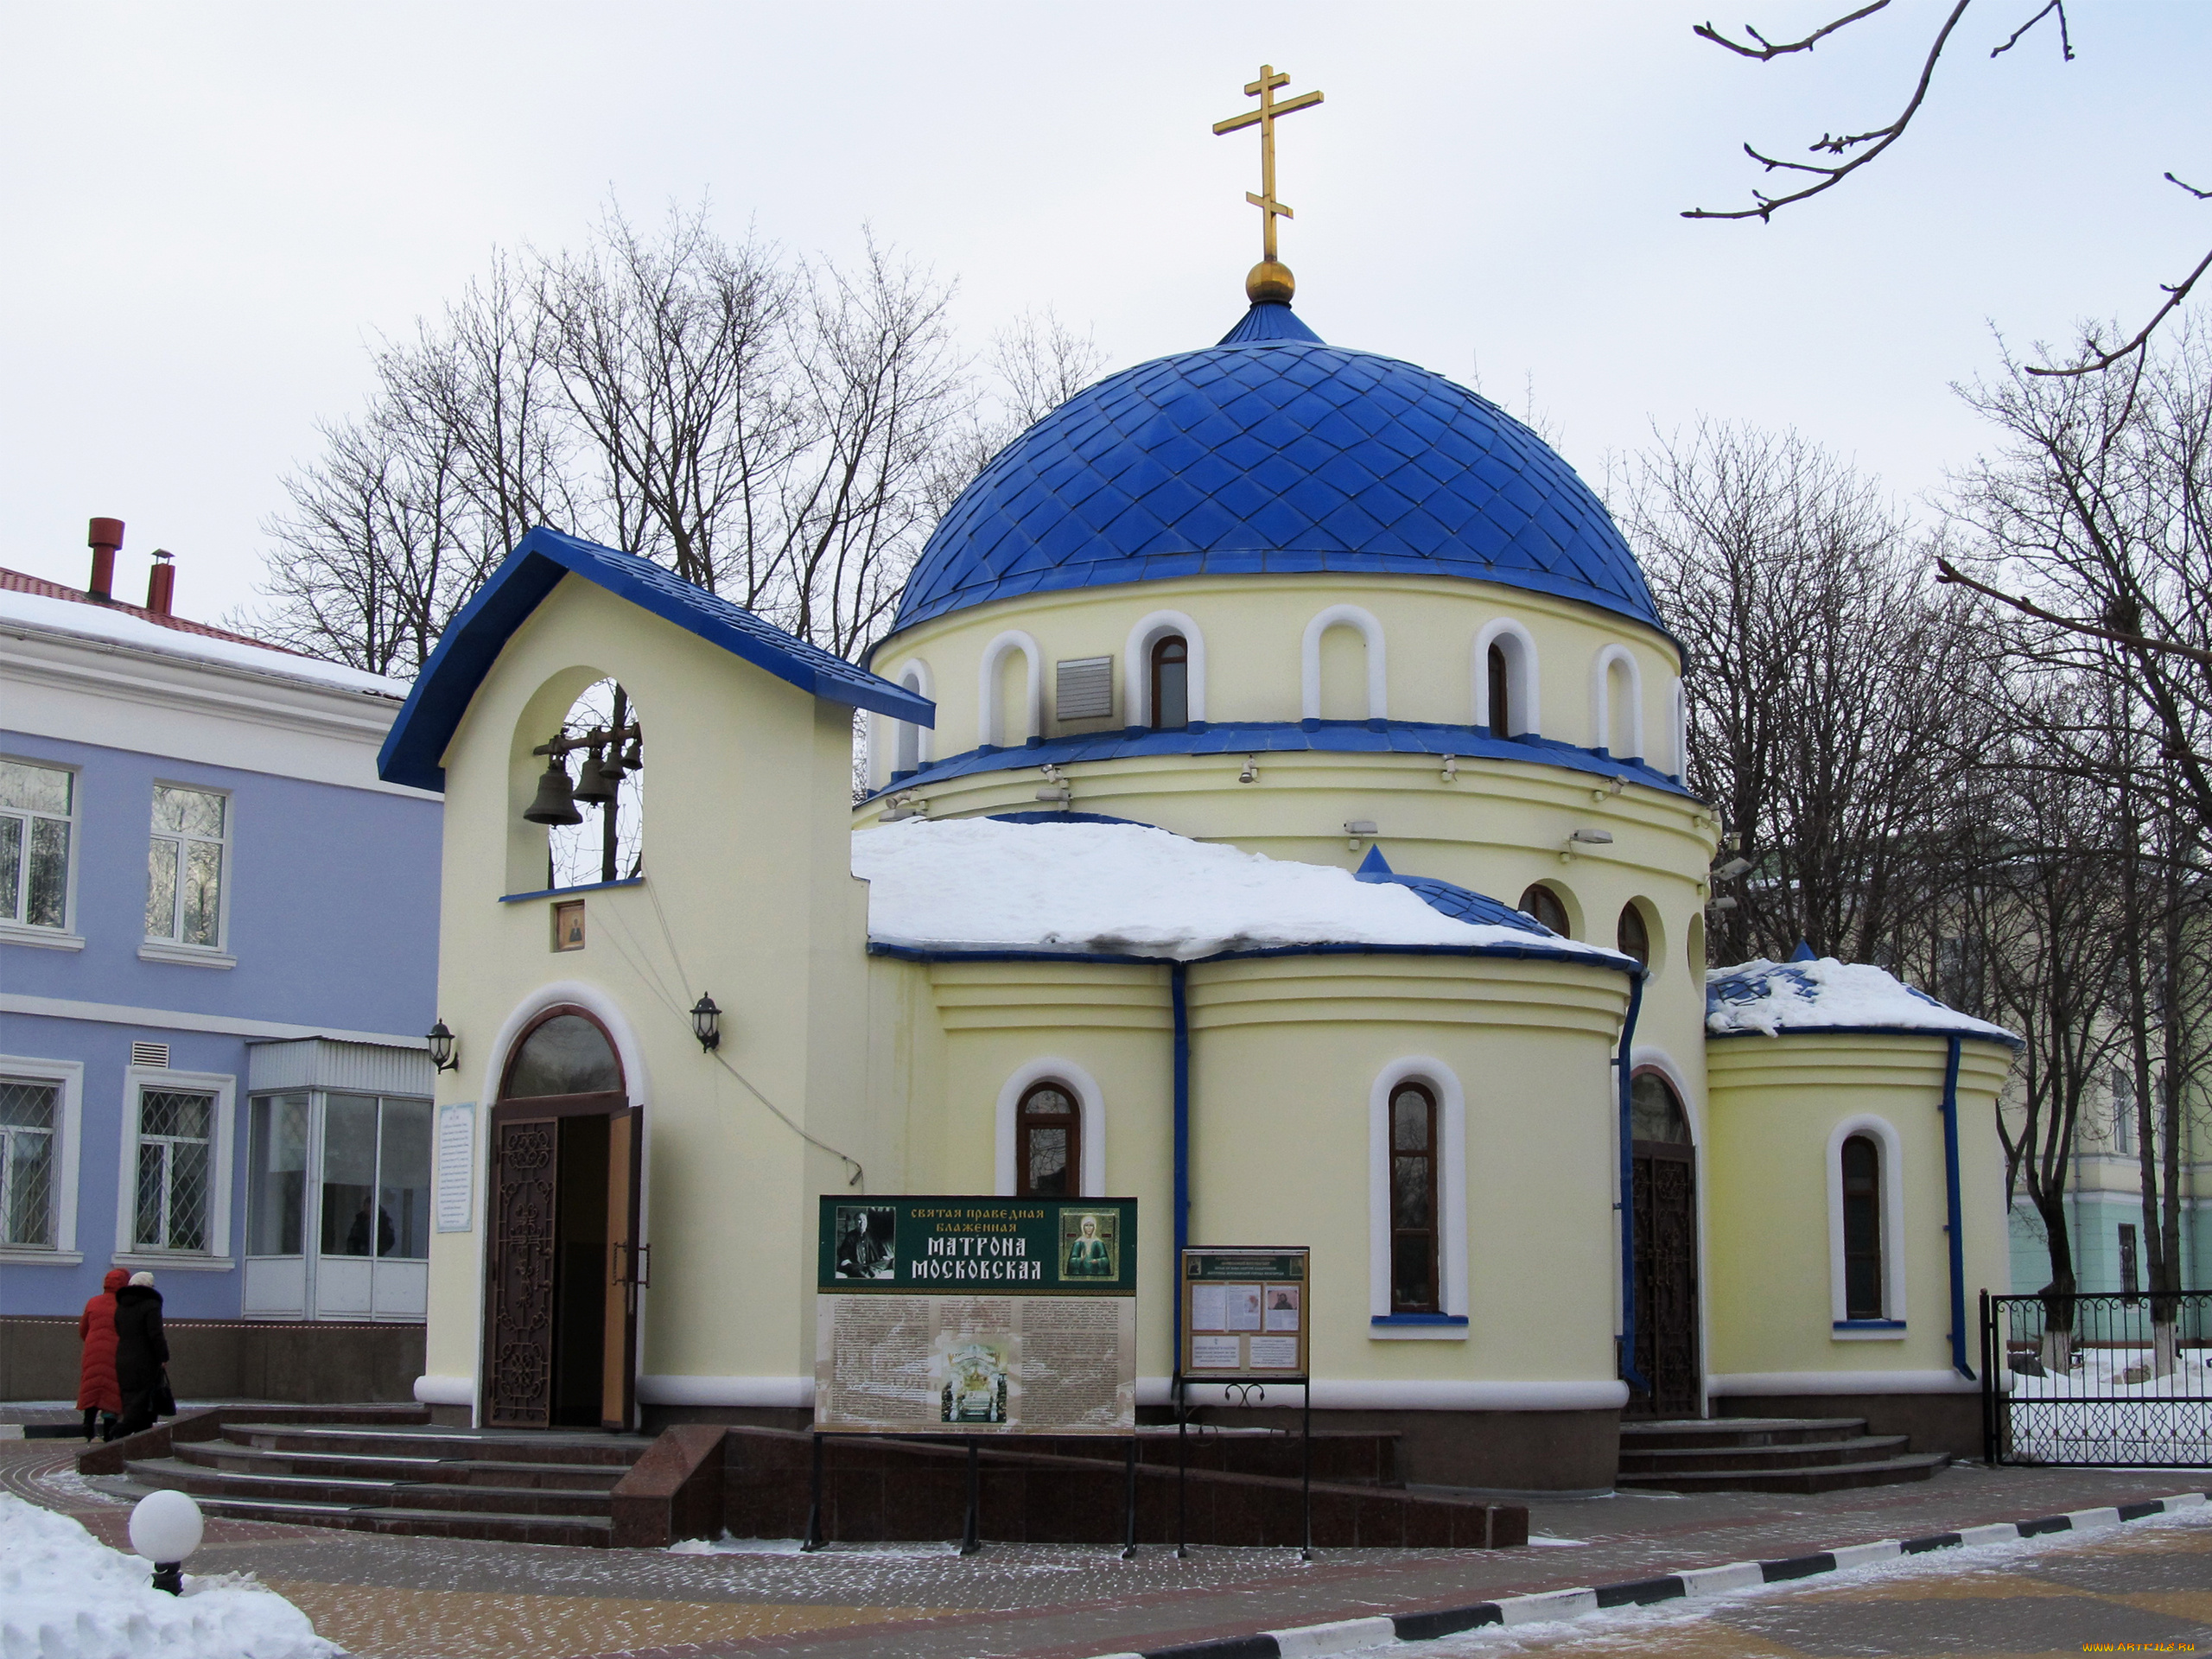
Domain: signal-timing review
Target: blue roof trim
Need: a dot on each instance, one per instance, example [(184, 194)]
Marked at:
[(1288, 737), (473, 640), (1608, 961), (1448, 899), (1938, 1034), (1274, 453)]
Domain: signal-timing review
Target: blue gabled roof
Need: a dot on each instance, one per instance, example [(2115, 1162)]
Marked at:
[(1274, 452), (473, 640), (1447, 899)]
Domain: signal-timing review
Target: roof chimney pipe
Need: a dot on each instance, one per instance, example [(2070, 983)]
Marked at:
[(161, 583), (106, 539)]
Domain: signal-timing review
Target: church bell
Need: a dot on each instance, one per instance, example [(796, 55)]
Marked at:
[(599, 779), (555, 802)]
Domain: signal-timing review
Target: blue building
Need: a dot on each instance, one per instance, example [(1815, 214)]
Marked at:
[(218, 953)]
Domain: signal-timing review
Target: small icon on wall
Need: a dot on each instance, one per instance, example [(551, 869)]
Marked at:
[(569, 925)]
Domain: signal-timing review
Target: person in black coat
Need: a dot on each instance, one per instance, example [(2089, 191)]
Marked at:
[(141, 1351)]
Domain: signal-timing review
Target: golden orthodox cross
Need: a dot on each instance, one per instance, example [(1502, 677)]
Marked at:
[(1265, 118)]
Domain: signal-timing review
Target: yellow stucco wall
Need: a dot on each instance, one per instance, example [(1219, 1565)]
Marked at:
[(1774, 1106)]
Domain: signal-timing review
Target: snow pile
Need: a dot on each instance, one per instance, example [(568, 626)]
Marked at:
[(64, 1592), (121, 628), (1126, 889), (1814, 995)]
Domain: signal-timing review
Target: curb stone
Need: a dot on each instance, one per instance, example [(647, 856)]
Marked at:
[(1347, 1635)]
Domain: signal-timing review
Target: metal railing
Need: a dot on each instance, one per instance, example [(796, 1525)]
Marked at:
[(2098, 1381)]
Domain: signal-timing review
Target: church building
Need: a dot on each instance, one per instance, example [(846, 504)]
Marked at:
[(1275, 815)]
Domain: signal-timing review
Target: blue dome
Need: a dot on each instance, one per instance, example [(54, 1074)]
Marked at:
[(1274, 453)]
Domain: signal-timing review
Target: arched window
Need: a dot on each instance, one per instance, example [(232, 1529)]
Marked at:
[(563, 1054), (599, 749), (1048, 1143), (1653, 1114), (1171, 683), (1415, 1283), (1501, 717), (1633, 937), (1862, 1229), (1541, 904)]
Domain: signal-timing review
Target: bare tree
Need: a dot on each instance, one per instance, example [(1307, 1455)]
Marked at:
[(1848, 152), (1825, 686)]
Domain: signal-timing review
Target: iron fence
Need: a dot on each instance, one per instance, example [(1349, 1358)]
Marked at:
[(2100, 1381)]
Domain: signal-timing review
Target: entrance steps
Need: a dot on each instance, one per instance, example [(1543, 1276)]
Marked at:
[(535, 1487), (1767, 1454)]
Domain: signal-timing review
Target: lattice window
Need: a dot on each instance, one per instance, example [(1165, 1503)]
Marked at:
[(175, 1132), (1415, 1284), (29, 1115), (1048, 1141)]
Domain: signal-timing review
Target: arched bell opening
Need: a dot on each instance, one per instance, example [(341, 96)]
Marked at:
[(590, 797), (1663, 1186), (563, 1262)]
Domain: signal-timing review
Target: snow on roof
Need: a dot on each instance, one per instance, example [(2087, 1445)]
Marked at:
[(1814, 994), (117, 626), (1126, 889)]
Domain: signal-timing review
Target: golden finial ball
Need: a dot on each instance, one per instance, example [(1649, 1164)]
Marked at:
[(1270, 283)]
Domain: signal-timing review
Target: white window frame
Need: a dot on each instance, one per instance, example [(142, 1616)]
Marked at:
[(1891, 1325), (217, 1257), (990, 716), (1136, 665), (1601, 691), (217, 955), (1090, 1107), (888, 735), (1451, 1196), (65, 938), (1370, 630), (1522, 715), (1678, 729), (68, 1134)]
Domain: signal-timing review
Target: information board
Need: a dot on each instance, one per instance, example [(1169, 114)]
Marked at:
[(456, 1156), (975, 1316), (1245, 1313)]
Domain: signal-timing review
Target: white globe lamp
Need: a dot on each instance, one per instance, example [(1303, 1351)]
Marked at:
[(165, 1528)]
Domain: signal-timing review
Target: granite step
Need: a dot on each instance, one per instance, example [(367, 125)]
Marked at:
[(1795, 1454), (518, 1446), (1737, 1431), (238, 1459), (206, 1484), (590, 1532), (1822, 1477)]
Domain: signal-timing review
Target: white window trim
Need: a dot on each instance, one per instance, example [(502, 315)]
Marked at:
[(1378, 681), (173, 949), (1678, 729), (1090, 1107), (1451, 1194), (990, 718), (887, 732), (68, 1137), (1601, 700), (65, 938), (1136, 664), (1523, 716), (217, 1256), (1886, 1137)]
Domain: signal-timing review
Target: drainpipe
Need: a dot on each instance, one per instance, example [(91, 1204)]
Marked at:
[(1627, 1206), (1951, 1199), (1179, 988)]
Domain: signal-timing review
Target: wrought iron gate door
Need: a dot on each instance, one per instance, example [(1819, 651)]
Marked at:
[(526, 1189), (1665, 1192)]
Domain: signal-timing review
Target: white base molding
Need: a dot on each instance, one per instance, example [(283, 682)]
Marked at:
[(1338, 1393), (779, 1391), (1765, 1382), (445, 1390)]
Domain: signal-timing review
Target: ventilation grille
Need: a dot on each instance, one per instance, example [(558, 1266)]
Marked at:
[(154, 1054), (1085, 689)]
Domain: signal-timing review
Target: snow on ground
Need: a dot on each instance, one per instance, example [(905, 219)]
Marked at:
[(63, 1593), (1778, 996), (120, 628), (2094, 1415), (1129, 890)]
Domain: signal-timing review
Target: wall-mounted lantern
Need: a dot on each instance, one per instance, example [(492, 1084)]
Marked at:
[(445, 1048), (707, 1023)]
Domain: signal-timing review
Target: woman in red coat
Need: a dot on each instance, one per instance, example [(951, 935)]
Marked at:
[(99, 1394)]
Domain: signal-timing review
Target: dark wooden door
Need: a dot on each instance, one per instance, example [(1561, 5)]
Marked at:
[(625, 1270), (518, 1324), (1665, 1192)]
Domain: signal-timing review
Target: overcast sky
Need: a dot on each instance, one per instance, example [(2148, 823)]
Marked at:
[(210, 210)]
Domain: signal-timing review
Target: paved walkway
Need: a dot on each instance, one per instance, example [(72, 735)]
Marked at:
[(428, 1599)]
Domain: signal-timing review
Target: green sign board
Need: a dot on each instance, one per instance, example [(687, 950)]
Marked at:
[(986, 1247)]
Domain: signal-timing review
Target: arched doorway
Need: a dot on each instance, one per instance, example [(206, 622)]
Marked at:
[(1665, 1192), (561, 1303)]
